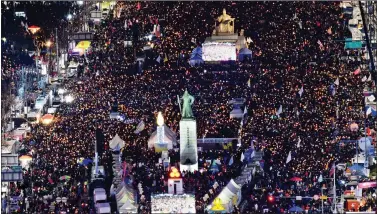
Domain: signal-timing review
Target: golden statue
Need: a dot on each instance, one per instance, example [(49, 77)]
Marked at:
[(226, 23)]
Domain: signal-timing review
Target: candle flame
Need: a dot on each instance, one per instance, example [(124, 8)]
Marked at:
[(160, 119)]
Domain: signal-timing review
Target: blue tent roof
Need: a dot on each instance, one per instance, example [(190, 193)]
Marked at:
[(245, 51)]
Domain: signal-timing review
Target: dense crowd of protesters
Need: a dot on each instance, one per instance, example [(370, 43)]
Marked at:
[(295, 46)]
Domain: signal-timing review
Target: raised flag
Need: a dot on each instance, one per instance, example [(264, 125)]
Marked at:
[(280, 110), (357, 71), (329, 31), (249, 83), (140, 127), (369, 78), (245, 110), (336, 81), (231, 161), (364, 79), (332, 170), (298, 142), (371, 98), (320, 45), (166, 58), (369, 111), (301, 91), (320, 179), (158, 59), (289, 158), (242, 157)]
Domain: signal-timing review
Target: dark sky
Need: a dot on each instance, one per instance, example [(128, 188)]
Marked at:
[(46, 15)]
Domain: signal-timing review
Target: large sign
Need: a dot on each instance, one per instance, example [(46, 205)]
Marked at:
[(215, 140)]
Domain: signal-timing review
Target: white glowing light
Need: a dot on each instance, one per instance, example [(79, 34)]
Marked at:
[(61, 91), (68, 98)]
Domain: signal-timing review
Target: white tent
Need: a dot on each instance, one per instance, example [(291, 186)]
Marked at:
[(101, 196), (116, 142), (236, 113), (103, 208), (170, 138), (128, 208)]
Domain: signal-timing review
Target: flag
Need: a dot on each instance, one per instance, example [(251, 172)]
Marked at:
[(298, 142), (242, 157), (252, 154), (125, 24), (245, 110), (140, 127), (364, 79), (336, 81), (252, 144), (158, 59), (138, 6), (332, 90), (369, 78), (320, 179), (357, 71), (371, 98), (301, 91), (289, 158), (369, 111), (249, 83), (166, 58), (280, 110), (320, 44), (329, 31), (230, 161), (332, 170)]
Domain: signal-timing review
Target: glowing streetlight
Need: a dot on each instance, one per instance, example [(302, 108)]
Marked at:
[(48, 43), (69, 16), (80, 2), (4, 39)]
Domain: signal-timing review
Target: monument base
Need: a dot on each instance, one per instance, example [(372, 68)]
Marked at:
[(188, 145), (190, 168)]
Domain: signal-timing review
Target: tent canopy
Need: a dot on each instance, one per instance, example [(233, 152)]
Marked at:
[(101, 196), (169, 138), (103, 208), (245, 51), (116, 141), (83, 45)]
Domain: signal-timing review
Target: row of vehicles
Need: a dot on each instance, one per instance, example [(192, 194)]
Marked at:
[(44, 104)]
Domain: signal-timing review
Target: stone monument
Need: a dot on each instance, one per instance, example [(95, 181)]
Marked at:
[(188, 136)]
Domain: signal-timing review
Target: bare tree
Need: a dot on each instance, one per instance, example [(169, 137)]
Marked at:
[(7, 100)]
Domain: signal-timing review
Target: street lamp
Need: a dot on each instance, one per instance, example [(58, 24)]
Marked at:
[(69, 16), (4, 39), (80, 2), (48, 43)]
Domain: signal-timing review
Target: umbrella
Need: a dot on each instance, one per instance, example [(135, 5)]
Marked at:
[(65, 177), (295, 209), (295, 179), (87, 161)]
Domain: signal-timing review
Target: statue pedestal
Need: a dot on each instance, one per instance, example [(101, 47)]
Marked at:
[(188, 145)]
